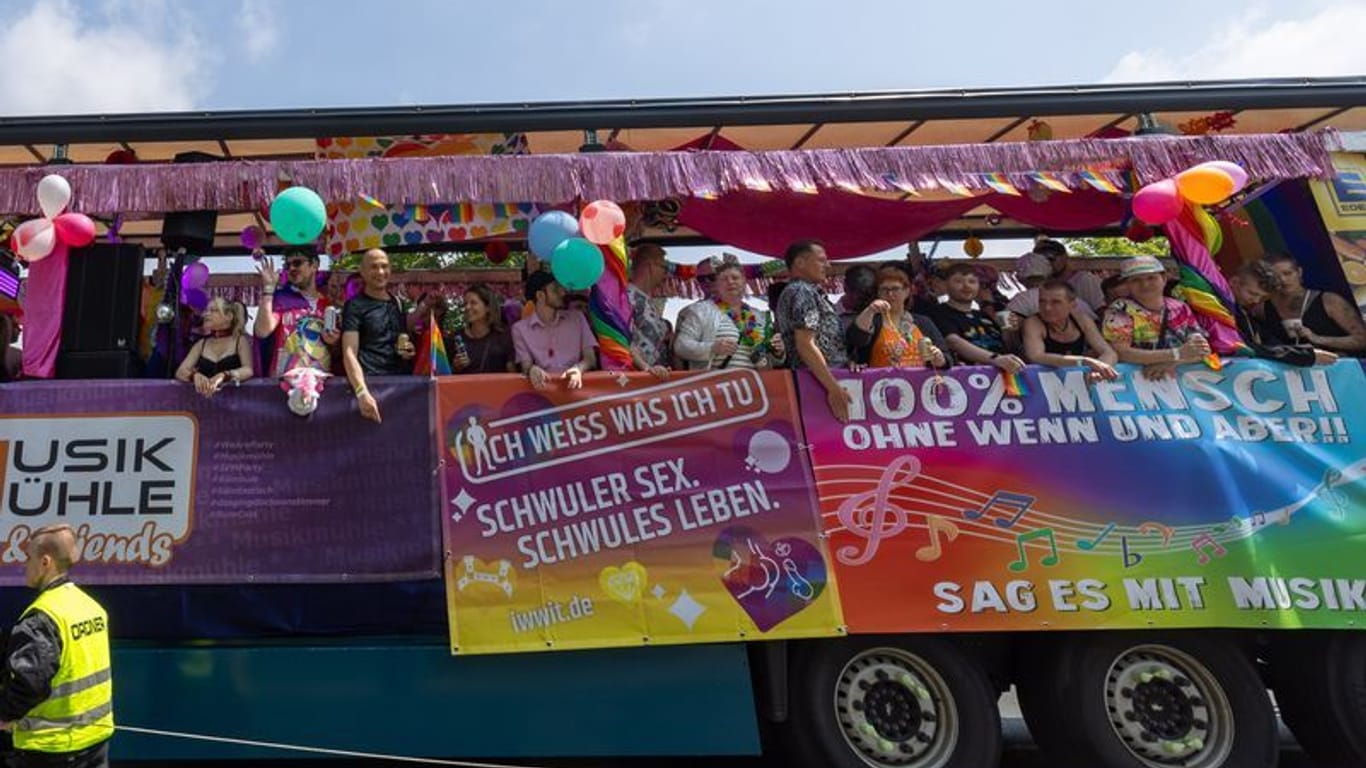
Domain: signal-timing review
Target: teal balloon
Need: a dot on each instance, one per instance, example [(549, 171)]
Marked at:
[(298, 215), (576, 263)]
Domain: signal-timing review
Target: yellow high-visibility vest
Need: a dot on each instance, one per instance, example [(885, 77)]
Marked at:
[(79, 712)]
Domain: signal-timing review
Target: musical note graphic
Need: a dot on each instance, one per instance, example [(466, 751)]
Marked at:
[(1049, 560), (1203, 541), (1166, 532), (1258, 519), (871, 516), (1130, 559), (1330, 493), (1091, 544), (1016, 503), (940, 528)]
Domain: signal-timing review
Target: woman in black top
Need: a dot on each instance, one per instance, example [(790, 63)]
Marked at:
[(223, 355), (484, 344), (1322, 319), (1060, 337)]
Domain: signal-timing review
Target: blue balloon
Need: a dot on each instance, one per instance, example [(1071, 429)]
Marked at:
[(549, 230), (576, 263)]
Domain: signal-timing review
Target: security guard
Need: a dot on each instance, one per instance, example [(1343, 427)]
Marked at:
[(57, 696)]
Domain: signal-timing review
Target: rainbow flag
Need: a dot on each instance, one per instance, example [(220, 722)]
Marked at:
[(1015, 385), (1050, 180), (999, 183), (431, 357), (370, 201), (1098, 182)]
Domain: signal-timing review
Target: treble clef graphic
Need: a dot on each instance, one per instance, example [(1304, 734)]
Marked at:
[(871, 516)]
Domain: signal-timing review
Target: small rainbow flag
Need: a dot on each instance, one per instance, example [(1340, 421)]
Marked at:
[(1050, 180), (420, 213), (432, 359), (1015, 385), (1098, 182), (999, 183), (956, 188), (370, 201)]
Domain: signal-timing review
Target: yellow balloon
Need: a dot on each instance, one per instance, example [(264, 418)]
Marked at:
[(1205, 185)]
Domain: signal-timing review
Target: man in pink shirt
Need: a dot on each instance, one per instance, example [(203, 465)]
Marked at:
[(551, 342)]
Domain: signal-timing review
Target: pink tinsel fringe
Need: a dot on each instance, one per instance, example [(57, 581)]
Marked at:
[(626, 176)]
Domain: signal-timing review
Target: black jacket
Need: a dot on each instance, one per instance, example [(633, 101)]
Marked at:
[(1269, 342), (31, 657)]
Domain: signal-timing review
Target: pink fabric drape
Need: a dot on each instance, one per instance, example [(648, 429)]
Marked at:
[(853, 225), (44, 298)]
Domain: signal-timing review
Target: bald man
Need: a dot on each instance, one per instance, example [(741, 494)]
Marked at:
[(57, 697), (374, 341)]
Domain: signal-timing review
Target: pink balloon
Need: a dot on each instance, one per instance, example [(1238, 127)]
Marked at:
[(1234, 171), (1158, 203), (76, 230), (602, 222), (34, 239)]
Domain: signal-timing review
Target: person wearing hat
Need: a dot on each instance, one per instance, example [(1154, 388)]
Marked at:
[(1151, 329), (1032, 269), (1086, 284), (550, 342)]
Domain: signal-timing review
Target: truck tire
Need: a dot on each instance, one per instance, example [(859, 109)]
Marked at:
[(1149, 700), (1320, 685), (890, 702)]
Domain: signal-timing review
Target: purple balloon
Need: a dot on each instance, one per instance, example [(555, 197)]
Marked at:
[(253, 237), (195, 299), (195, 277)]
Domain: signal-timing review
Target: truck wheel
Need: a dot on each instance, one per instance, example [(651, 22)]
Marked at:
[(1320, 684), (891, 702), (1138, 700)]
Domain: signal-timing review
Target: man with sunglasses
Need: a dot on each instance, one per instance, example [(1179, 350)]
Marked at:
[(293, 316)]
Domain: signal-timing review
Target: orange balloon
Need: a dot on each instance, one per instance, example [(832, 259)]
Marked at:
[(1205, 185)]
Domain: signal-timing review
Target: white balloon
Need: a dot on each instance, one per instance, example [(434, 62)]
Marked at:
[(35, 239), (54, 193)]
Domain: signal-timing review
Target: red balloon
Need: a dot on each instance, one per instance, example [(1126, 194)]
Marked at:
[(75, 229), (497, 252)]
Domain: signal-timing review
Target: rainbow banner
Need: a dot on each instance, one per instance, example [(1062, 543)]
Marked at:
[(629, 512), (1226, 498)]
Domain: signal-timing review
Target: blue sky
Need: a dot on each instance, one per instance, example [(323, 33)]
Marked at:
[(147, 55)]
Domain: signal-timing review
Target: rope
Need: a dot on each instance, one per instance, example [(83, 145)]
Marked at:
[(313, 750)]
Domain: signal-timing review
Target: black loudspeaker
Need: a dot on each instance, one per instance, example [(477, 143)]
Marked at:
[(192, 230), (101, 316)]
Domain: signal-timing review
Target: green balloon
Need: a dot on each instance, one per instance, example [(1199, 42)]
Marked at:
[(298, 215), (576, 263)]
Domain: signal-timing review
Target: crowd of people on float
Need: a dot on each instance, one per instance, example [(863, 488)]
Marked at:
[(894, 314)]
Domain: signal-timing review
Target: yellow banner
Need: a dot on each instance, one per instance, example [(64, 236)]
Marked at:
[(1342, 204)]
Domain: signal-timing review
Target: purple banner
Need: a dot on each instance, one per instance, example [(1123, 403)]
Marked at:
[(164, 486)]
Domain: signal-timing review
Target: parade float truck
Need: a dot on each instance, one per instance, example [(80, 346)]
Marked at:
[(710, 563)]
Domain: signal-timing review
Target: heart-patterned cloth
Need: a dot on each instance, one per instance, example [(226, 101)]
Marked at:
[(772, 581)]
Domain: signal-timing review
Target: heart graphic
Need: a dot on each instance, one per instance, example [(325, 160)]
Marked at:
[(771, 581), (455, 233), (401, 218), (412, 238), (343, 227), (347, 208), (625, 584), (392, 239), (379, 222), (434, 235)]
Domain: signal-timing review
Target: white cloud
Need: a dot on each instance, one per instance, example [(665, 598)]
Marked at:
[(257, 28), (128, 57), (1324, 44)]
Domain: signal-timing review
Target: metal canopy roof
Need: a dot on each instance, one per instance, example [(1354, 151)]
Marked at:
[(880, 119)]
